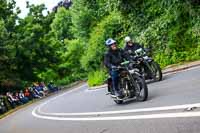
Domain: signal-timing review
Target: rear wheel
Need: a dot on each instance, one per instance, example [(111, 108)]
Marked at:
[(156, 71), (141, 89)]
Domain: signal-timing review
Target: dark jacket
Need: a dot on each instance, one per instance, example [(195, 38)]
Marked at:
[(134, 47), (114, 58)]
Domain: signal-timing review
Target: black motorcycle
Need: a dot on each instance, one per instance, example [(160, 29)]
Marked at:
[(132, 85), (148, 68)]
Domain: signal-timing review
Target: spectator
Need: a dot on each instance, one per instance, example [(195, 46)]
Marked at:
[(11, 99), (38, 90), (22, 98), (52, 87), (28, 94), (44, 88), (3, 107), (16, 97), (34, 93)]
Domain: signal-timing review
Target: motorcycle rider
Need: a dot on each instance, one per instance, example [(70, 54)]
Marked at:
[(112, 59), (130, 45)]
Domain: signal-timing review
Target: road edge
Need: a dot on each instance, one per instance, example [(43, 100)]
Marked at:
[(167, 70)]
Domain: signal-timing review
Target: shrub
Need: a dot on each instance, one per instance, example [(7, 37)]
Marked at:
[(97, 77), (63, 81)]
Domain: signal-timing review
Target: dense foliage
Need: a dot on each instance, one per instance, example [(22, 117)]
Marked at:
[(68, 44)]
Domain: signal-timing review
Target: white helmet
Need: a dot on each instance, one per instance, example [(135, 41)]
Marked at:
[(127, 39), (110, 41)]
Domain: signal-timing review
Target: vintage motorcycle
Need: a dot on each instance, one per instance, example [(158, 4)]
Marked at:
[(148, 68), (132, 85)]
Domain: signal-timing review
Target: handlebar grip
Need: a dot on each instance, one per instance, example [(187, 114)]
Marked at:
[(125, 62)]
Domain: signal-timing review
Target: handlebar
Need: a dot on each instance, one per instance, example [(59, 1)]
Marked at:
[(124, 65)]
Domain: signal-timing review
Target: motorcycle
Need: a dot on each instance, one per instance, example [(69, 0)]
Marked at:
[(148, 68), (132, 85)]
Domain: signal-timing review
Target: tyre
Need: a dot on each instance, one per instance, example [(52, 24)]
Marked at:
[(118, 101), (157, 71), (141, 89)]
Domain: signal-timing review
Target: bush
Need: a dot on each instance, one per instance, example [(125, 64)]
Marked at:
[(49, 75), (97, 77), (165, 59), (63, 81)]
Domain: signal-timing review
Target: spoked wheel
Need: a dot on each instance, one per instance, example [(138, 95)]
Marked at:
[(140, 88), (156, 71)]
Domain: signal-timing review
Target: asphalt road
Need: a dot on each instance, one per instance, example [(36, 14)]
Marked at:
[(173, 106)]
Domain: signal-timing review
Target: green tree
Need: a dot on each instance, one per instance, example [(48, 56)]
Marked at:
[(84, 17), (61, 25), (8, 20), (33, 53)]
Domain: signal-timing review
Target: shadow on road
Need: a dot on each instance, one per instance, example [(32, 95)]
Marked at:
[(166, 77)]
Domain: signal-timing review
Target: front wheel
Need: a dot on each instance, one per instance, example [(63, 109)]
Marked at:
[(156, 71), (141, 89)]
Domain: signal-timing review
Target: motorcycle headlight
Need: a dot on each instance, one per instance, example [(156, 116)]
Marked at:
[(146, 57)]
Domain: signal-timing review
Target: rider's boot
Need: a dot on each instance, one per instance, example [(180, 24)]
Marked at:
[(119, 94)]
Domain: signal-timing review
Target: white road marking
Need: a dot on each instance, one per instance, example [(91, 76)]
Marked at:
[(165, 108), (55, 116), (131, 117), (63, 116)]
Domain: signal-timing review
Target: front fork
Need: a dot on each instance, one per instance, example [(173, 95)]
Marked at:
[(134, 84)]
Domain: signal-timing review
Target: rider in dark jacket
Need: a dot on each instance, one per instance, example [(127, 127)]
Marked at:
[(131, 46), (112, 59)]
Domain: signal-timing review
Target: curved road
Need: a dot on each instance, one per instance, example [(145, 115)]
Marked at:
[(173, 106)]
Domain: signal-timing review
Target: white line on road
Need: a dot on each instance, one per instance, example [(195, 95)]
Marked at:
[(55, 116), (131, 117), (165, 108)]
